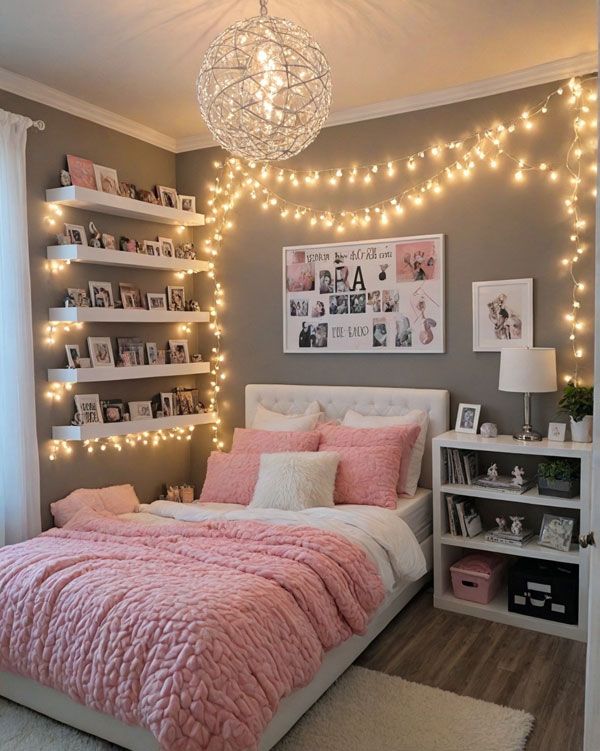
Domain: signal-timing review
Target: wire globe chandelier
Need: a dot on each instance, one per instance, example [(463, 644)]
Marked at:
[(264, 88)]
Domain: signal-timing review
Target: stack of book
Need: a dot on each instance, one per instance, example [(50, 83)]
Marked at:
[(462, 466), (503, 484), (463, 518), (506, 537)]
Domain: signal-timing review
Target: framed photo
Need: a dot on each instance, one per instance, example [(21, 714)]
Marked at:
[(85, 362), (78, 297), (109, 242), (556, 532), (128, 245), (167, 196), (81, 171), (186, 203), (101, 295), (106, 179), (88, 408), (73, 355), (131, 297), (101, 354), (187, 401), (127, 190), (148, 196), (113, 410), (157, 301), (556, 431), (140, 410), (131, 350), (178, 350), (176, 298), (167, 404), (152, 353), (76, 234), (381, 296), (502, 314), (467, 418), (151, 247), (166, 247), (161, 357)]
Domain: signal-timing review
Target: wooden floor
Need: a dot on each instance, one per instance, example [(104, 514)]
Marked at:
[(543, 675)]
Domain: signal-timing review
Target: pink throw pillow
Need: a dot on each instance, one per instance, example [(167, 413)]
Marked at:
[(117, 499), (402, 437), (230, 478), (249, 441), (367, 475)]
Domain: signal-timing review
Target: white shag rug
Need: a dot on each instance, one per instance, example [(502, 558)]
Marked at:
[(362, 711)]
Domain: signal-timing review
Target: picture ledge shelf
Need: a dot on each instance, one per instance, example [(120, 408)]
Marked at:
[(107, 203), (95, 375), (104, 257), (107, 430), (124, 315)]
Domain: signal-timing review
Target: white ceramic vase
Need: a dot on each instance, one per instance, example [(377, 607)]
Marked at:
[(581, 431)]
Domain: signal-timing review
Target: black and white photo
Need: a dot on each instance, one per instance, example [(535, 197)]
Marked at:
[(556, 532), (186, 203), (73, 355), (467, 418), (176, 298), (76, 234), (179, 353), (101, 295)]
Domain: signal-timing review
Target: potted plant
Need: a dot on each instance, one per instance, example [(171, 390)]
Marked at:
[(578, 402), (559, 478)]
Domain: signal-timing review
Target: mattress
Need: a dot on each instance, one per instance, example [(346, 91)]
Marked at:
[(417, 512)]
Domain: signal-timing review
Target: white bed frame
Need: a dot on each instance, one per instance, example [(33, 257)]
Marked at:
[(335, 401)]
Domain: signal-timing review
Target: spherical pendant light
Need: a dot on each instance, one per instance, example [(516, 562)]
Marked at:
[(264, 88)]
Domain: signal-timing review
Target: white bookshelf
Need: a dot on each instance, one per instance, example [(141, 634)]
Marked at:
[(124, 315), (104, 257), (107, 430), (97, 375), (448, 548), (107, 203)]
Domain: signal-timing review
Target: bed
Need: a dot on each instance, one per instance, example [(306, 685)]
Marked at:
[(416, 512)]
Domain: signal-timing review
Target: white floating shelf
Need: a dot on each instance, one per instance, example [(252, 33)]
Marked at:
[(127, 315), (531, 550), (106, 430), (95, 375), (103, 257), (107, 203), (531, 496)]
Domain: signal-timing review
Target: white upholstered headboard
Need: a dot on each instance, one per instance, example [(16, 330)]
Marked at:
[(368, 400)]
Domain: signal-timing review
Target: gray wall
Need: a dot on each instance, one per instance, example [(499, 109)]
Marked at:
[(494, 228)]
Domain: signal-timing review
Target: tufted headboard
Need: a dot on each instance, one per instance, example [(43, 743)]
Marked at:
[(368, 400)]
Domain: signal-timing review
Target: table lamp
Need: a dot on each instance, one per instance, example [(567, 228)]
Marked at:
[(528, 370)]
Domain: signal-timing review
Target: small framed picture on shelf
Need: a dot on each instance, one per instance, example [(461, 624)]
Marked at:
[(131, 350), (556, 532), (187, 401), (151, 247), (101, 354), (131, 297), (467, 418), (152, 353), (187, 203), (157, 301), (168, 196), (108, 241), (140, 410), (113, 410), (167, 248), (176, 298), (73, 355), (167, 404), (161, 357), (78, 297), (81, 171), (147, 196), (179, 353), (128, 245), (127, 190), (106, 179), (76, 234), (101, 294), (557, 431), (88, 409)]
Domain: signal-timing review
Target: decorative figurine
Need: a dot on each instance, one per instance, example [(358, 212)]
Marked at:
[(65, 178), (516, 528), (173, 493), (518, 474), (489, 430), (95, 236), (70, 301), (502, 523), (193, 306), (492, 473), (196, 358)]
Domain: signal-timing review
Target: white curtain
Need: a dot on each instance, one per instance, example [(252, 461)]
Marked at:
[(19, 462)]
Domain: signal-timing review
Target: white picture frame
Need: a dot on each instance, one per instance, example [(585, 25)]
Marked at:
[(101, 352), (167, 196), (101, 292), (156, 300), (167, 403), (88, 408), (151, 248), (179, 346), (557, 431), (73, 355), (140, 410), (176, 297), (107, 180), (509, 323), (76, 234), (467, 418), (556, 532), (167, 247), (186, 203), (339, 289), (152, 353)]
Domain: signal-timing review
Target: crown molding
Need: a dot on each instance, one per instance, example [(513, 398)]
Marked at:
[(40, 92), (555, 70)]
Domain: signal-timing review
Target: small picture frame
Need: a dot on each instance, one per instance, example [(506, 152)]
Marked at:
[(101, 295), (88, 408), (78, 297), (176, 298), (156, 300), (101, 353), (167, 248), (151, 247), (73, 355), (76, 234), (131, 297), (556, 532), (140, 410), (167, 404), (167, 196), (186, 203), (106, 179), (113, 410), (467, 418), (178, 351), (152, 353), (557, 431)]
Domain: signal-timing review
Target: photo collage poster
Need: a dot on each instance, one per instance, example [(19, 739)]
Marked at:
[(376, 296)]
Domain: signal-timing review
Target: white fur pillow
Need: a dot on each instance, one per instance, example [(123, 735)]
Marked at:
[(293, 481), (266, 419)]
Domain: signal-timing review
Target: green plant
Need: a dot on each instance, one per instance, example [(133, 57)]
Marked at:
[(578, 401), (559, 469)]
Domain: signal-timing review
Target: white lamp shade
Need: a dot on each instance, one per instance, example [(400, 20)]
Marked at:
[(528, 369)]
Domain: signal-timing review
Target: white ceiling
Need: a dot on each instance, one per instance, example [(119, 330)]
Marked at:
[(139, 58)]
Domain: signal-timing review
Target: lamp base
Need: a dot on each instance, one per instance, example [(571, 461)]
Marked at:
[(527, 434)]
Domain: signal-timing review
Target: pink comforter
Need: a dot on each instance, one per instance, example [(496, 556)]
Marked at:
[(194, 631)]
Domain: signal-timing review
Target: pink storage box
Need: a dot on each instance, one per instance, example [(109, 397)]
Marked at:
[(478, 577)]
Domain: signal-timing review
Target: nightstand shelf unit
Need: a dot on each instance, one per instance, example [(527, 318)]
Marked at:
[(448, 548), (107, 430), (103, 257)]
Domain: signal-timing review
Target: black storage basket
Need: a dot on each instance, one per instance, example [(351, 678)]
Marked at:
[(544, 589)]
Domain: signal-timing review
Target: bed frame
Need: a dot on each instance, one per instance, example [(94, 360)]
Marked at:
[(334, 401)]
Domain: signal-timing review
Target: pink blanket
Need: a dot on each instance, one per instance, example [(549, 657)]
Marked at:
[(194, 631)]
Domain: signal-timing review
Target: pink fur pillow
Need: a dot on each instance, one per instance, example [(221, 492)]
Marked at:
[(367, 475), (230, 478), (401, 437), (247, 440), (116, 499)]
